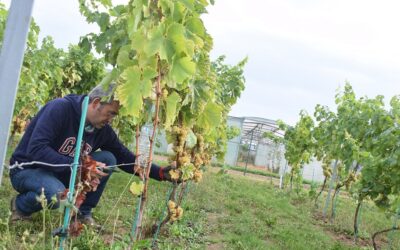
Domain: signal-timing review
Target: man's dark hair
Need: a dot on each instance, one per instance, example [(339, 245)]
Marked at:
[(103, 91)]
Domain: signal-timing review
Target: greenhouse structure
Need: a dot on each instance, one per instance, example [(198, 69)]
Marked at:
[(251, 149)]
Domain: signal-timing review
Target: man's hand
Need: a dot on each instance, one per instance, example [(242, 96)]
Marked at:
[(165, 174)]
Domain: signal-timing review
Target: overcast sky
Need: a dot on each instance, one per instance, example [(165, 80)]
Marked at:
[(300, 52)]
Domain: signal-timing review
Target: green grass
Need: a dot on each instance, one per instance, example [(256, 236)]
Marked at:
[(222, 212)]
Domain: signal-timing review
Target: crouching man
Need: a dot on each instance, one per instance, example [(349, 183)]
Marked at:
[(51, 138)]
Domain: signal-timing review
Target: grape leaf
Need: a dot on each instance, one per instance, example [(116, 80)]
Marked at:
[(196, 26), (123, 59), (139, 41), (130, 94), (187, 171), (156, 41), (211, 116), (182, 69), (191, 139), (171, 108), (176, 34), (136, 188), (149, 73)]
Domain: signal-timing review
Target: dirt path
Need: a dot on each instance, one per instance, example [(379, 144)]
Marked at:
[(256, 177), (215, 239)]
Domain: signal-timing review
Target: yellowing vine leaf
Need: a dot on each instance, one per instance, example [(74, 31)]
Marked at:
[(146, 88), (188, 4), (171, 108), (177, 34), (210, 117), (187, 171), (136, 188), (156, 41), (149, 73), (196, 26), (182, 69), (137, 86), (129, 94), (123, 57), (139, 41)]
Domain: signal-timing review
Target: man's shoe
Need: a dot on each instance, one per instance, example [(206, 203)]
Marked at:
[(89, 221), (17, 215)]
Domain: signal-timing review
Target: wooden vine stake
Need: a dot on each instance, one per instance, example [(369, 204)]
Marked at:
[(137, 168), (138, 228)]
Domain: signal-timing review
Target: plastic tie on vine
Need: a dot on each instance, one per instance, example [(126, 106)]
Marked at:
[(66, 203), (59, 232)]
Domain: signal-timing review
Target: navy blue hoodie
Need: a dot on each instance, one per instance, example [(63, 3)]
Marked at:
[(51, 137)]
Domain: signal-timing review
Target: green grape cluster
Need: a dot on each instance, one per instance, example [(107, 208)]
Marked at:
[(206, 158), (184, 159), (197, 176), (200, 106), (327, 170), (180, 134), (203, 64), (198, 160), (175, 212), (350, 179), (164, 93)]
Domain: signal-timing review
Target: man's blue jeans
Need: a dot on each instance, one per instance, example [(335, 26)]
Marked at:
[(30, 182)]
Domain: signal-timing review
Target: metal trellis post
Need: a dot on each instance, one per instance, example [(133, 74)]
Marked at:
[(248, 152), (74, 170), (332, 182), (11, 57)]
